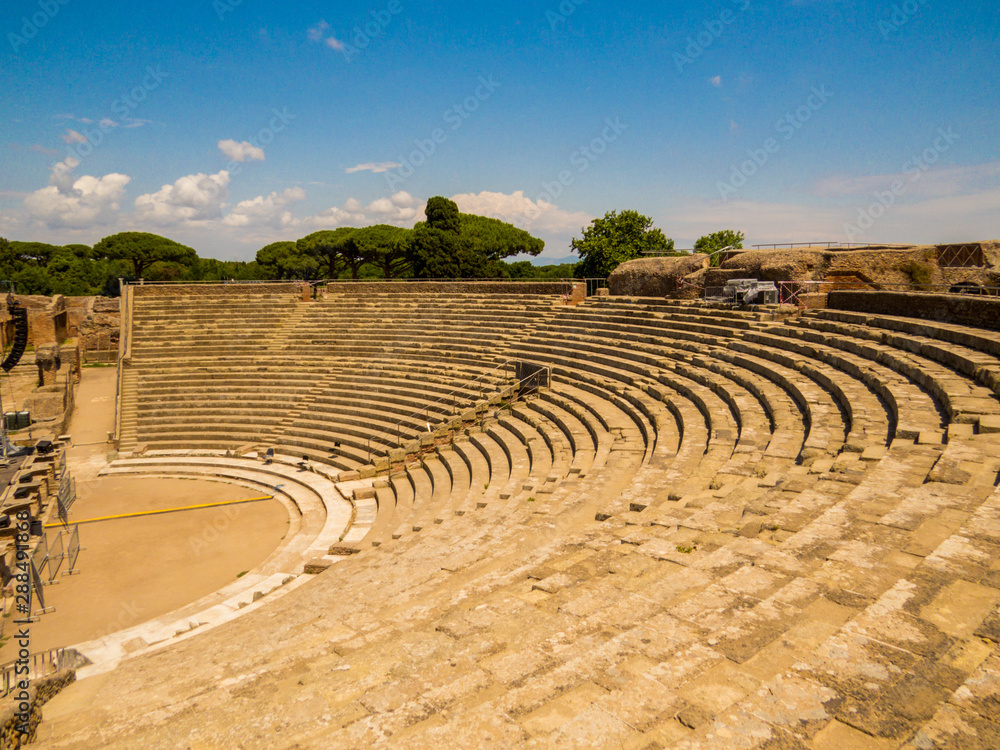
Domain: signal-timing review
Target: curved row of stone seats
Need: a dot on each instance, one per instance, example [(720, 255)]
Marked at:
[(914, 406), (158, 321), (521, 456), (971, 353), (652, 336), (636, 373), (646, 333), (869, 426), (750, 606), (807, 612), (529, 496), (412, 403), (324, 515), (510, 456), (637, 325), (504, 459), (867, 419), (646, 361)]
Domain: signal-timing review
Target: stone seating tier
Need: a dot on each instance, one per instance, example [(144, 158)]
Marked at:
[(713, 526)]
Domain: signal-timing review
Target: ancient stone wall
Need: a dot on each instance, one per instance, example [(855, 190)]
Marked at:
[(100, 330), (232, 290), (679, 277), (77, 308), (362, 288), (963, 309), (40, 692)]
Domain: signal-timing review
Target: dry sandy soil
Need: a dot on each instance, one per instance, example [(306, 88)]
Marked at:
[(134, 569)]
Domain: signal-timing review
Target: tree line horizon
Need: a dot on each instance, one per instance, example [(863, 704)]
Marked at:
[(447, 244)]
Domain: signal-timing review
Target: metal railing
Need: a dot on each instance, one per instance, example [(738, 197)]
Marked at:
[(592, 282), (220, 282), (124, 347), (73, 551), (790, 291), (40, 664), (453, 397), (830, 245)]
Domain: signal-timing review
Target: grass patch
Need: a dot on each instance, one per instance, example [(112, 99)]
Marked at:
[(921, 274), (685, 550), (240, 575)]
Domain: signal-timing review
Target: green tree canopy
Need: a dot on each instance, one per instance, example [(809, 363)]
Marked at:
[(525, 269), (435, 250), (383, 246), (210, 269), (143, 250), (285, 260), (34, 253), (80, 251), (451, 244), (496, 239), (616, 238), (329, 248), (442, 214), (714, 242)]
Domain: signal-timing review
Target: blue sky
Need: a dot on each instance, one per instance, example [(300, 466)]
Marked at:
[(231, 124)]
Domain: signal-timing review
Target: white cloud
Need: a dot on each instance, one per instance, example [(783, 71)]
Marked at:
[(196, 197), (266, 211), (40, 149), (315, 33), (522, 212), (916, 183), (717, 81), (554, 225), (71, 202), (400, 209), (73, 136), (376, 167), (952, 218), (241, 151), (61, 176)]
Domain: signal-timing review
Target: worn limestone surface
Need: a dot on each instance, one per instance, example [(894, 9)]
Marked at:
[(715, 530), (873, 267), (659, 277)]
